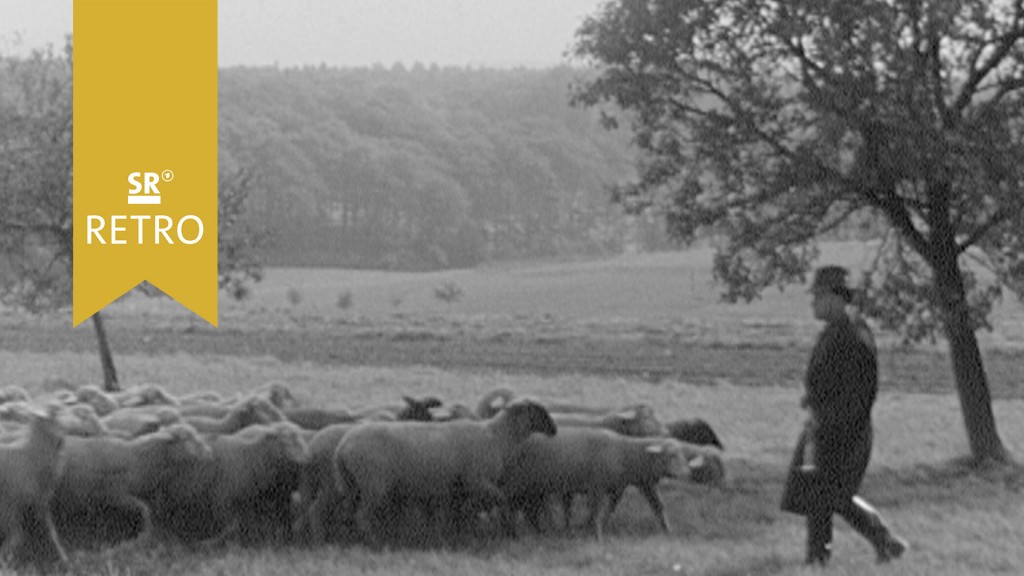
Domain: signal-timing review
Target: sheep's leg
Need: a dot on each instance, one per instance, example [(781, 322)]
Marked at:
[(15, 535), (142, 509), (533, 507), (567, 498), (599, 503), (657, 506)]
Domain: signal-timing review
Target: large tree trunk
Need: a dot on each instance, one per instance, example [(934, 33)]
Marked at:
[(971, 382), (106, 359)]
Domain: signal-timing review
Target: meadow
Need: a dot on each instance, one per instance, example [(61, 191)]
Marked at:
[(738, 367)]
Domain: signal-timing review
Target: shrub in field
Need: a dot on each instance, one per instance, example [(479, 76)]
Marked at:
[(449, 293)]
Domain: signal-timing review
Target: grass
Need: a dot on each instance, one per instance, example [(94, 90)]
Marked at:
[(958, 521)]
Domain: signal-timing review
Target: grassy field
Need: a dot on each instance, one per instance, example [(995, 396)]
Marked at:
[(736, 366)]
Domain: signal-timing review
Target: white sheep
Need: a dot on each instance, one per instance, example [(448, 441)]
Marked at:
[(318, 494), (598, 463), (111, 473), (433, 464), (29, 471), (250, 480), (637, 420), (144, 395), (137, 421), (493, 402), (102, 402), (254, 410)]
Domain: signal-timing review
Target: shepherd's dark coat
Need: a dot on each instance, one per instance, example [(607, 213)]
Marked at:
[(841, 386)]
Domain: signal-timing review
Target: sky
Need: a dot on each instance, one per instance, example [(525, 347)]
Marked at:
[(492, 33)]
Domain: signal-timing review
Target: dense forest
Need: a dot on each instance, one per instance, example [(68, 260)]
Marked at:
[(421, 168)]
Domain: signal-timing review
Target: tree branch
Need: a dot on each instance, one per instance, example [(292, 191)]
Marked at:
[(1003, 47)]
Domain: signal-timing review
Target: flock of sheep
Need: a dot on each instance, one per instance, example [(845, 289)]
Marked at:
[(86, 468)]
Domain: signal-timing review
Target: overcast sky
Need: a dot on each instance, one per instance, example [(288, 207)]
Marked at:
[(499, 33)]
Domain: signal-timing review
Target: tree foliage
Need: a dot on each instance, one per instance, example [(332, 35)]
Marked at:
[(769, 123), (421, 168), (36, 192)]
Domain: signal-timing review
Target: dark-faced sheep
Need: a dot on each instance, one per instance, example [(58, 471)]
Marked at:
[(598, 463), (102, 475), (694, 431), (29, 471), (432, 464)]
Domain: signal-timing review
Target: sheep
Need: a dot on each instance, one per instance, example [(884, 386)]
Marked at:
[(250, 479), (13, 394), (203, 397), (81, 420), (117, 474), (411, 409), (144, 395), (493, 402), (430, 463), (100, 400), (29, 472), (278, 394), (454, 412), (637, 420), (693, 431), (255, 410), (312, 418), (317, 491), (134, 422), (598, 463)]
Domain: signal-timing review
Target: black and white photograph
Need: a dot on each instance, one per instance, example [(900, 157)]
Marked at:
[(567, 287)]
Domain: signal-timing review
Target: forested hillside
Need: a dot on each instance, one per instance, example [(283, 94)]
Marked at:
[(421, 168)]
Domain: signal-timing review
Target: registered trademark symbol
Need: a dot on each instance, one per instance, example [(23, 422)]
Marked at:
[(167, 175)]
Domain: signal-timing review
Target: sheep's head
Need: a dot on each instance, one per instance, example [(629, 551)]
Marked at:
[(707, 469), (86, 421), (419, 410), (263, 411), (99, 399), (13, 394), (286, 440), (638, 421), (279, 395), (46, 424), (186, 443), (526, 417), (667, 459), (149, 394), (694, 431)]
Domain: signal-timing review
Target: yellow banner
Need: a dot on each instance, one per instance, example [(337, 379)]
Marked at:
[(145, 133)]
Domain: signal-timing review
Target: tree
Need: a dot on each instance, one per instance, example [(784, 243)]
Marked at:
[(36, 190), (769, 123)]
